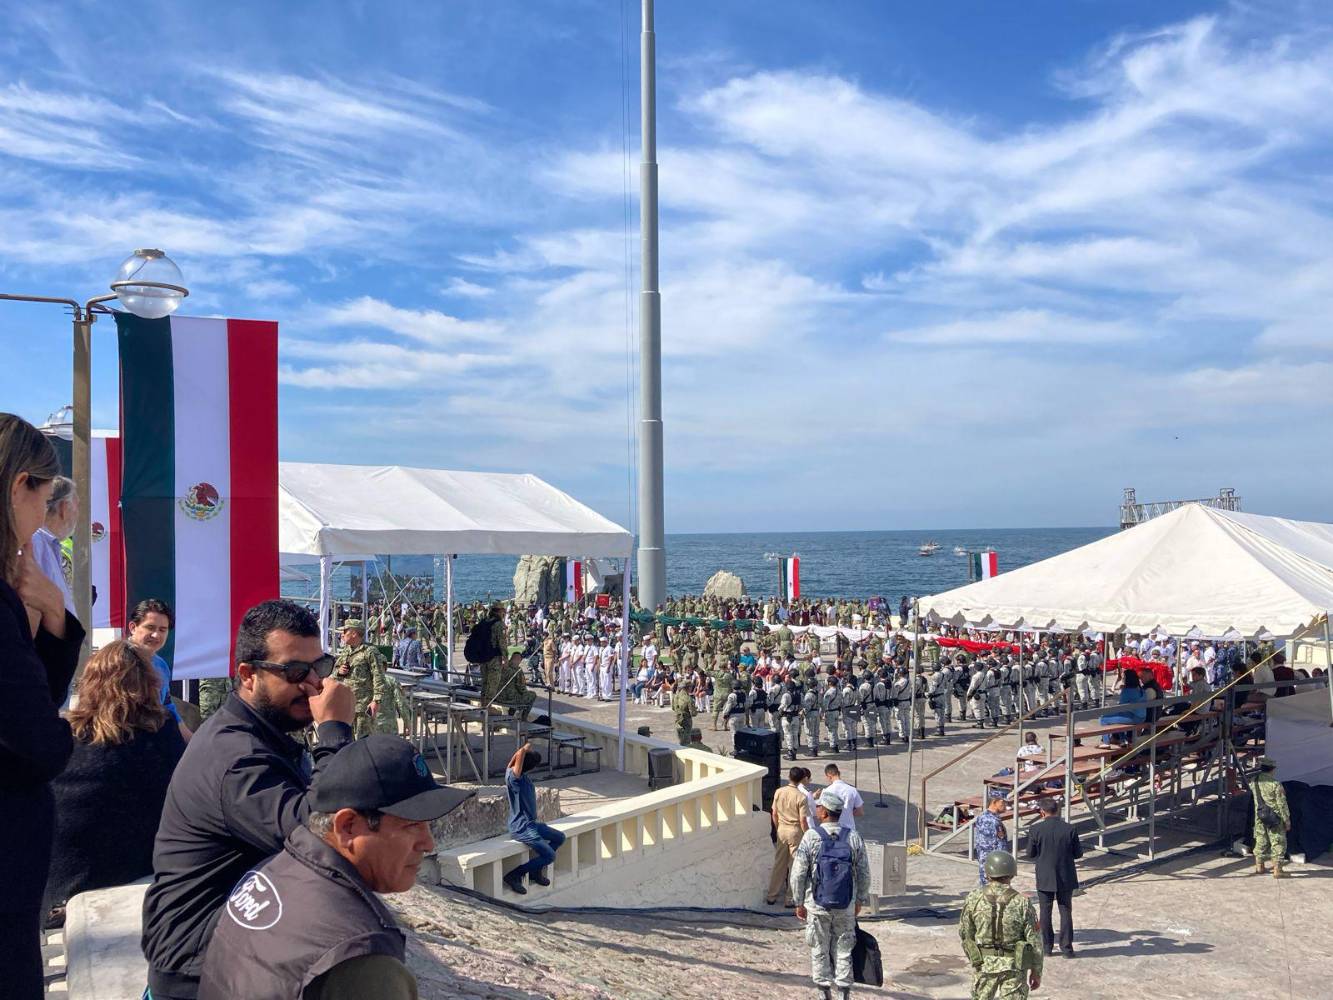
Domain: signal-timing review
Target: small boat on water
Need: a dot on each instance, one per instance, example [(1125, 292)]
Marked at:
[(958, 550), (929, 549)]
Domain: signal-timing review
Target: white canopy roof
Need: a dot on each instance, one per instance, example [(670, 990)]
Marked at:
[(1194, 568), (364, 510)]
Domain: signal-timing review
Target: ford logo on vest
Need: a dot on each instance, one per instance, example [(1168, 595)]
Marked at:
[(255, 903)]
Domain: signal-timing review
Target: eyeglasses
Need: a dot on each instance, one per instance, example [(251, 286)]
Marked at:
[(298, 670)]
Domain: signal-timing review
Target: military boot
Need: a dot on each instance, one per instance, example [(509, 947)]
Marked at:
[(1258, 866), (888, 740), (1277, 869), (825, 993), (851, 744)]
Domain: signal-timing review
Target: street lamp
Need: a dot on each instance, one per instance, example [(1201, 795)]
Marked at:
[(149, 285)]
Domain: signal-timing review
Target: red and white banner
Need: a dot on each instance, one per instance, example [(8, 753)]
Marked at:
[(789, 578), (108, 554), (573, 581)]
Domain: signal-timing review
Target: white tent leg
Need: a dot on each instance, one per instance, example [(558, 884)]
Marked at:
[(624, 658), (325, 598), (449, 617)]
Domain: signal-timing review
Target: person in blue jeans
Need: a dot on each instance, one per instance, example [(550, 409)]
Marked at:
[(523, 826)]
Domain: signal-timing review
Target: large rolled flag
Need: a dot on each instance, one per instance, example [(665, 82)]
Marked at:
[(789, 578), (108, 556), (984, 564), (199, 490), (573, 581)]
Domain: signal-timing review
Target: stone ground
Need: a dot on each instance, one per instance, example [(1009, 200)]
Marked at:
[(1196, 925)]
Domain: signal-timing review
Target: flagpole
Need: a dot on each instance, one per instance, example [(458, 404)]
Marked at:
[(652, 539)]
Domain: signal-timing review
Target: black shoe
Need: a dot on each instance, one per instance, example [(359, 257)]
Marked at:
[(515, 883), (1048, 952), (1066, 952), (539, 879), (888, 740)]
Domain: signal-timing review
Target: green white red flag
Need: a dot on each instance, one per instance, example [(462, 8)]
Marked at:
[(199, 483)]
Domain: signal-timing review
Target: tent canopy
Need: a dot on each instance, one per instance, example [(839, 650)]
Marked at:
[(349, 511), (1196, 568)]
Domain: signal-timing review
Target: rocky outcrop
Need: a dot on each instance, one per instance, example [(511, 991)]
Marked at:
[(539, 579), (724, 584)]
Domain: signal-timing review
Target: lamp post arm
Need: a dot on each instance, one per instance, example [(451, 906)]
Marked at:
[(41, 298)]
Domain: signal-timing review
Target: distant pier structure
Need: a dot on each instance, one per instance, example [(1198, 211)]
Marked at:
[(1132, 512)]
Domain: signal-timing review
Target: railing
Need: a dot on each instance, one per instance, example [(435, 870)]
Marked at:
[(713, 791)]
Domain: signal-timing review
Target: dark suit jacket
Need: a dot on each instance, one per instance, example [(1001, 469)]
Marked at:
[(35, 743), (1054, 845)]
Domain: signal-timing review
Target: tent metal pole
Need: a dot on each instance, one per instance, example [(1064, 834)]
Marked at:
[(911, 716), (325, 586), (449, 617), (1328, 663), (624, 659), (1069, 753)]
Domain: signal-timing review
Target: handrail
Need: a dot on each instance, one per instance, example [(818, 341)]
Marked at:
[(921, 826)]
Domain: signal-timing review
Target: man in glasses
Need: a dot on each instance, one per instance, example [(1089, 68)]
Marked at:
[(240, 788)]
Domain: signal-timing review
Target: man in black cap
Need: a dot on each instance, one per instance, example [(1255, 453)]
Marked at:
[(306, 925)]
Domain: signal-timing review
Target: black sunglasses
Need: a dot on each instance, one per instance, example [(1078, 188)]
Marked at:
[(298, 670)]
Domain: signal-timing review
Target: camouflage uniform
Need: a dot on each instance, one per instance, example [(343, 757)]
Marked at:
[(682, 707), (492, 668), (212, 693), (1270, 844), (361, 668), (1000, 963)]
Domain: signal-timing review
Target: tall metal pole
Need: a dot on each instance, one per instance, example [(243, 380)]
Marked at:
[(81, 460), (652, 533), (911, 716)]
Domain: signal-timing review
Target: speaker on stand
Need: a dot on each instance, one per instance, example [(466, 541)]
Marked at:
[(762, 747)]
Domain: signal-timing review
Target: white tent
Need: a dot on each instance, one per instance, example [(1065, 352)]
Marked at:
[(366, 510), (341, 512), (1196, 568), (1298, 738)]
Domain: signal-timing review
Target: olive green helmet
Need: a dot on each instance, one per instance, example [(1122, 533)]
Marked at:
[(1001, 864)]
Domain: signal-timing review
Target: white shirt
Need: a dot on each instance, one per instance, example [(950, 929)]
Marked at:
[(650, 652), (47, 554), (851, 800)]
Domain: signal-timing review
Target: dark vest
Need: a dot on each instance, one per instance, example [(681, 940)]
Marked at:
[(292, 919)]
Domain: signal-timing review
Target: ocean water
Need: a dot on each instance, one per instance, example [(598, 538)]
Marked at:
[(856, 564)]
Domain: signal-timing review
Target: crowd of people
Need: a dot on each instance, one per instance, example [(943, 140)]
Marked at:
[(298, 787)]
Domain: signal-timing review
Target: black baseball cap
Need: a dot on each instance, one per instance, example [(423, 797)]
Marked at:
[(385, 773)]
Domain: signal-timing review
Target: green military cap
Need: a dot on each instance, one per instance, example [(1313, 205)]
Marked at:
[(1266, 762), (354, 623), (1001, 864)]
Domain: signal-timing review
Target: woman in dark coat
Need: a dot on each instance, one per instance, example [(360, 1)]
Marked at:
[(109, 797), (39, 649)]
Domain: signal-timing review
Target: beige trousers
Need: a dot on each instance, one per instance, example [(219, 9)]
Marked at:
[(789, 838)]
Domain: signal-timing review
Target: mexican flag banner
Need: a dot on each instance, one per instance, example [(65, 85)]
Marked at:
[(573, 581), (199, 483), (984, 564), (789, 578), (108, 556)]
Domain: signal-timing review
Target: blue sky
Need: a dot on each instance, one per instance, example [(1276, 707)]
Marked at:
[(923, 265)]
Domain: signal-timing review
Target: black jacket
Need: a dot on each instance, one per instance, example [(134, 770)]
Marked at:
[(1054, 845), (293, 919), (108, 804), (35, 743), (237, 793)]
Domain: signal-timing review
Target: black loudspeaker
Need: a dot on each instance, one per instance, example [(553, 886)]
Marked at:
[(763, 747)]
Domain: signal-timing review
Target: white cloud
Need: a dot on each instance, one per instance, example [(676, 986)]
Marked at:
[(427, 326)]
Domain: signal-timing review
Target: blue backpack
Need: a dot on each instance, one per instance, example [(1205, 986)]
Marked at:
[(833, 874)]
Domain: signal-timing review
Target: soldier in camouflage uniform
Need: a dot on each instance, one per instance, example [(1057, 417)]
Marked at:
[(492, 668), (682, 707), (723, 681), (999, 934), (1270, 842), (361, 668), (512, 690), (212, 693)]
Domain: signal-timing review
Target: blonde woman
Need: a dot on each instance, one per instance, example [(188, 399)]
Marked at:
[(126, 746), (39, 649)]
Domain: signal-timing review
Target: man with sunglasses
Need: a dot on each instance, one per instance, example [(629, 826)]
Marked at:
[(240, 788)]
